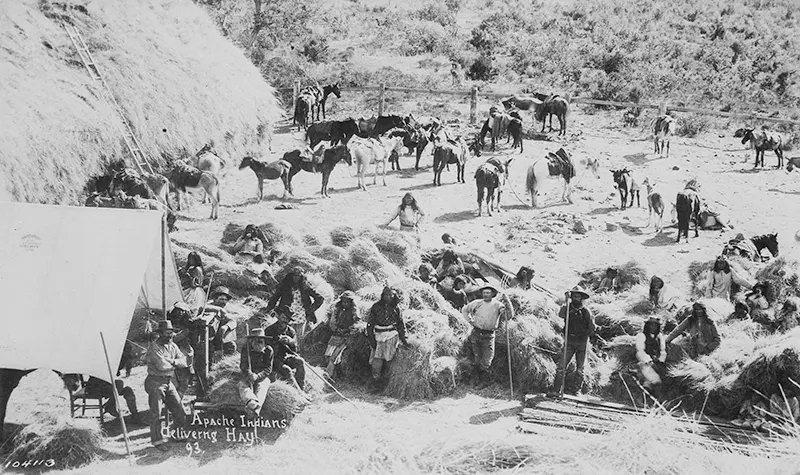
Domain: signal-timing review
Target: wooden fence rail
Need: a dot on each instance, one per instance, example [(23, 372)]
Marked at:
[(474, 94)]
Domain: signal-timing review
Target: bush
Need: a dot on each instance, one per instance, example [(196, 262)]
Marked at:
[(316, 49), (482, 69), (432, 12), (692, 125), (426, 37)]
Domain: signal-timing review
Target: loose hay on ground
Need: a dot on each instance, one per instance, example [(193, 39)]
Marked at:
[(783, 275), (628, 275), (71, 443)]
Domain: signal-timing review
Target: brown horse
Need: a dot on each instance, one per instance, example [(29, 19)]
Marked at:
[(330, 157), (267, 171), (554, 105)]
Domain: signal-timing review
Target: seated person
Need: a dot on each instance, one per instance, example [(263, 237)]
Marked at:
[(98, 387), (342, 324), (287, 364), (448, 240), (256, 366), (193, 278), (524, 277), (660, 297), (609, 282), (741, 311), (187, 330), (425, 273), (224, 328), (702, 336), (457, 296), (249, 248), (758, 303), (651, 354)]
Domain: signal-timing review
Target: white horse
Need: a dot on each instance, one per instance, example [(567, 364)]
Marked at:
[(558, 165), (373, 151)]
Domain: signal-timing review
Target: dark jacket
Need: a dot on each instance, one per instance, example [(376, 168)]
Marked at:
[(581, 323), (272, 333), (385, 315), (343, 320), (255, 364), (283, 296)]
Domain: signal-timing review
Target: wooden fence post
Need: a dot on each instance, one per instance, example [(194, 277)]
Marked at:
[(662, 108), (473, 105), (381, 99), (295, 91)]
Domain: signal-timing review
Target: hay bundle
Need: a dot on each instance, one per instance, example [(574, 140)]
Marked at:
[(311, 240), (628, 275), (428, 325), (237, 278), (204, 250), (401, 249), (535, 350), (416, 295), (445, 375), (699, 273), (775, 365), (71, 443), (315, 342), (365, 266), (342, 236), (623, 348), (355, 360), (328, 253), (531, 303), (298, 257), (224, 369), (283, 401), (411, 371), (783, 275)]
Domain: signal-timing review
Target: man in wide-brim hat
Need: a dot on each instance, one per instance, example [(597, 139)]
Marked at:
[(484, 315), (162, 358), (256, 365), (282, 338), (579, 327), (342, 324)]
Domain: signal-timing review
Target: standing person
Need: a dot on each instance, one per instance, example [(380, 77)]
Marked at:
[(702, 335), (651, 351), (409, 212), (162, 358), (193, 277), (286, 362), (385, 330), (256, 365), (484, 315), (294, 293), (720, 279), (342, 323), (579, 327)]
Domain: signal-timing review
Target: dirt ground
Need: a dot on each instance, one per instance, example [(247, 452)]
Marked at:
[(756, 202)]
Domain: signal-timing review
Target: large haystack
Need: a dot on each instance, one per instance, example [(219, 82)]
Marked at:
[(179, 81), (70, 443), (783, 275)]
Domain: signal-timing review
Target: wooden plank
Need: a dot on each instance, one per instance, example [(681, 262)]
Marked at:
[(600, 102), (438, 92), (734, 115)]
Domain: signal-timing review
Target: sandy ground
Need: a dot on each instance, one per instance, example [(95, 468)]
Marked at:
[(756, 202)]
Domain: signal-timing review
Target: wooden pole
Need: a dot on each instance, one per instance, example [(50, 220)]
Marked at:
[(164, 266), (662, 108), (381, 99), (116, 397), (564, 355), (473, 105)]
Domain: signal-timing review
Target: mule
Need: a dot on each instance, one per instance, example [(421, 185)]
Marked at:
[(446, 152), (627, 186), (662, 127), (525, 103), (373, 151), (761, 141), (751, 248), (558, 165), (491, 176), (183, 177), (267, 171), (687, 208), (553, 106), (655, 205), (9, 380)]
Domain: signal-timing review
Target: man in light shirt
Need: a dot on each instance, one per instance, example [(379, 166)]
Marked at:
[(163, 357), (484, 315)]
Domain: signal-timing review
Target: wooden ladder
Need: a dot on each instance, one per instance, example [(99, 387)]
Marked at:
[(131, 142)]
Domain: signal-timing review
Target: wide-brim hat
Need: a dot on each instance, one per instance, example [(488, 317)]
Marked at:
[(164, 325), (491, 285), (221, 290), (256, 333), (577, 290)]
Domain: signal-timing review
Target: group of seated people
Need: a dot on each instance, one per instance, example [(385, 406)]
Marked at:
[(452, 278)]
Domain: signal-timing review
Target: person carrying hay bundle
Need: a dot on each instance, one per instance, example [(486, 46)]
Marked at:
[(256, 365), (287, 364), (702, 335), (721, 279), (409, 213), (342, 324), (385, 331), (162, 358), (651, 353), (485, 315), (580, 326), (295, 294)]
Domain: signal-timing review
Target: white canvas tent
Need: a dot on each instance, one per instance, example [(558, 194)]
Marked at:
[(69, 273)]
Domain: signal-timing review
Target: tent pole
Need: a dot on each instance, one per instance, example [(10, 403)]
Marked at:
[(163, 267), (116, 399)]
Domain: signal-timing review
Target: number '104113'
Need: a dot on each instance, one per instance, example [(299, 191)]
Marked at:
[(30, 463)]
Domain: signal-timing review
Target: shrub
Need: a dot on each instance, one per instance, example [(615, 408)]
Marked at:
[(427, 37), (692, 125), (482, 69), (436, 14), (316, 49)]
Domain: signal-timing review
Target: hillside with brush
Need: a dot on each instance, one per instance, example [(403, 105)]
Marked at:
[(179, 81)]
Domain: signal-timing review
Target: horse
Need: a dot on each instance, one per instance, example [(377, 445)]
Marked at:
[(762, 140), (655, 205), (267, 171), (661, 127), (792, 163), (206, 159), (751, 248), (624, 182), (330, 158), (515, 130), (524, 103), (491, 176), (336, 131), (9, 380), (184, 176), (369, 151), (446, 152), (408, 142), (554, 105), (320, 96), (302, 108), (499, 125), (553, 165), (687, 207), (377, 126)]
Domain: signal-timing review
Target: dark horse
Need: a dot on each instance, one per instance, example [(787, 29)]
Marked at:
[(751, 248), (554, 105), (267, 171), (491, 176), (330, 157), (626, 186), (9, 380), (687, 206)]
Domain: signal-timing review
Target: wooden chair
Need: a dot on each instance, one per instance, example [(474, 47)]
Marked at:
[(80, 400)]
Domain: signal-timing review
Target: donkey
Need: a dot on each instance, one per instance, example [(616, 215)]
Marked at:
[(761, 141), (554, 165), (655, 205), (184, 176), (624, 182), (267, 171), (491, 176), (662, 128)]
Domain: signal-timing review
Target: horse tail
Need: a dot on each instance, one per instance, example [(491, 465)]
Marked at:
[(530, 179)]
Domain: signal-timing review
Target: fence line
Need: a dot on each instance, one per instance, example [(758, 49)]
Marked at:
[(474, 94)]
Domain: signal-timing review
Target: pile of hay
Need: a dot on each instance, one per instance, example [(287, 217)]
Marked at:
[(364, 266), (783, 275), (628, 275), (328, 253), (775, 365), (71, 443), (298, 257), (401, 249), (532, 303), (699, 273), (535, 353), (342, 236), (414, 295), (355, 359), (411, 371), (620, 314), (234, 276)]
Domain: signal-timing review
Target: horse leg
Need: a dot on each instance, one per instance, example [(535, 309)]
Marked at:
[(779, 153), (260, 189), (562, 122), (480, 198), (383, 175), (489, 199)]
